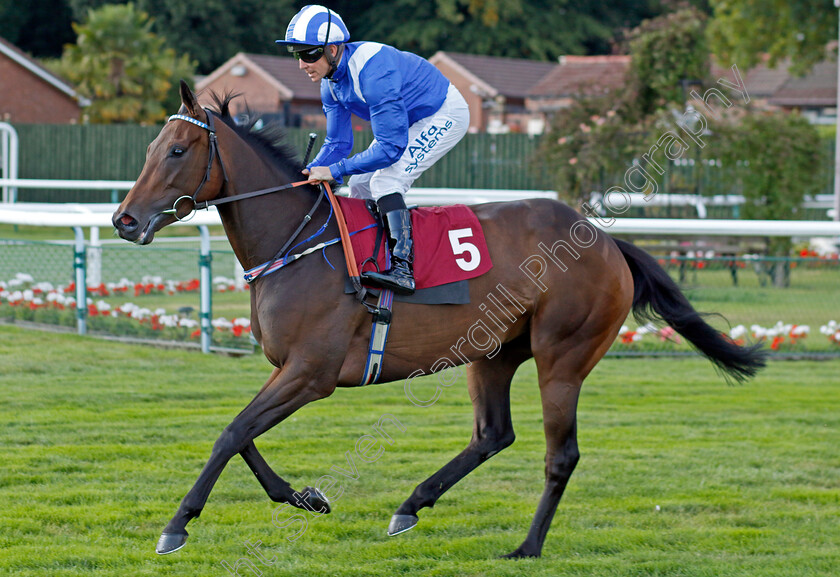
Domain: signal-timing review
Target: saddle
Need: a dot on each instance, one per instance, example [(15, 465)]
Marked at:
[(449, 248)]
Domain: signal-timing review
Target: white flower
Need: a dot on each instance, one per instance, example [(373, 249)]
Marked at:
[(648, 328), (168, 320), (56, 298), (737, 332), (222, 323), (23, 277)]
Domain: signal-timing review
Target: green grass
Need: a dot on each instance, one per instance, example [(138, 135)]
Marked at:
[(811, 299), (101, 440)]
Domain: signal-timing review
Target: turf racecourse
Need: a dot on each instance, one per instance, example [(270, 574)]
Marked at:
[(680, 474)]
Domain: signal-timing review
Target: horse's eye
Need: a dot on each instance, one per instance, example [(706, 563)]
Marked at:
[(177, 151)]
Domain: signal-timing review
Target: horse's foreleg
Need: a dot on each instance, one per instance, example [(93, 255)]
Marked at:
[(285, 392), (279, 490), (489, 385)]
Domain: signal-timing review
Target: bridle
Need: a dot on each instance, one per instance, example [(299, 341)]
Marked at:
[(214, 153)]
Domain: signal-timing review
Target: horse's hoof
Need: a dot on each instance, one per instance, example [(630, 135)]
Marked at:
[(317, 501), (170, 542), (401, 524), (520, 554)]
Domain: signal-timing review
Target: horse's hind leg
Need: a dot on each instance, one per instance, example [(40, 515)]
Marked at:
[(559, 390), (489, 385)]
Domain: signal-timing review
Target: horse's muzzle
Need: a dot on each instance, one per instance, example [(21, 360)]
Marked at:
[(130, 229)]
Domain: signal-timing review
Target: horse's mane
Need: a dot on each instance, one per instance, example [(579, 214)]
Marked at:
[(268, 138)]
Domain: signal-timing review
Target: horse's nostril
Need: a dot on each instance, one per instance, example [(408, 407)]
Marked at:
[(125, 222)]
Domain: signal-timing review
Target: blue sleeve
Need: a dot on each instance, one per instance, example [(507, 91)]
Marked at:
[(339, 140), (381, 84)]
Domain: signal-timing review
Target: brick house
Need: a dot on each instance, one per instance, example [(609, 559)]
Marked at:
[(29, 93), (813, 95), (272, 86), (495, 88), (761, 81), (574, 77), (507, 94)]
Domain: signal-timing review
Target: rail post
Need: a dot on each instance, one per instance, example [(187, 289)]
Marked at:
[(79, 264), (206, 279)]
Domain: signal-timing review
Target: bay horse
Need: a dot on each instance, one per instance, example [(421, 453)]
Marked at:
[(564, 310)]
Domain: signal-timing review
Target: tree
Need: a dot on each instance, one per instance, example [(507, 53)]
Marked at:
[(775, 158), (666, 52), (212, 31), (597, 139), (535, 29), (591, 143), (40, 28), (123, 67), (742, 31)]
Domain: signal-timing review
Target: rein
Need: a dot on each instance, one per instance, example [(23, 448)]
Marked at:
[(352, 269)]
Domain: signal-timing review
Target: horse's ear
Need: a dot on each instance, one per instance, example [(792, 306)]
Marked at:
[(189, 100)]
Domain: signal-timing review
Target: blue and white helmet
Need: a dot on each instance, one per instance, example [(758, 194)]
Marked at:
[(315, 25)]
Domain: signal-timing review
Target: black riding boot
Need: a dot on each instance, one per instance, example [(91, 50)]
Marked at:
[(400, 277)]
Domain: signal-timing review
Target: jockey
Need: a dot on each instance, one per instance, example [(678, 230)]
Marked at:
[(415, 114)]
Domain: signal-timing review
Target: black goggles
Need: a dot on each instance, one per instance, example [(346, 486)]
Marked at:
[(311, 55)]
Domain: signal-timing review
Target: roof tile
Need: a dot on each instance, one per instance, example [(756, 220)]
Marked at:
[(583, 75), (512, 77)]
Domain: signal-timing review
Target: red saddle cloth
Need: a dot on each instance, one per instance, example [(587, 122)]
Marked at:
[(449, 243)]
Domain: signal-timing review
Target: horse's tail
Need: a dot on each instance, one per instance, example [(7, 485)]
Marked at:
[(657, 296)]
